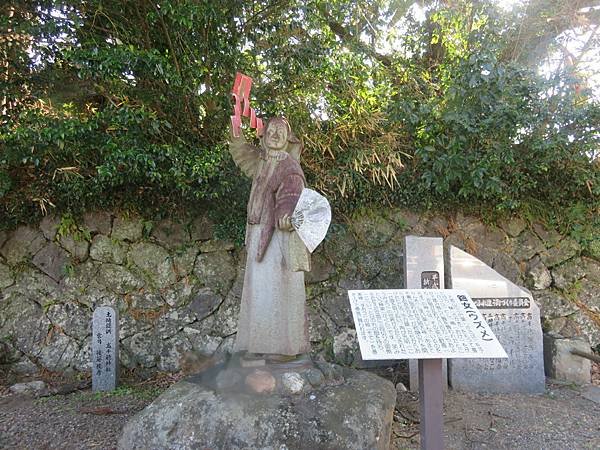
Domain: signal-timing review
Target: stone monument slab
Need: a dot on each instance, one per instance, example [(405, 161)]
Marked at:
[(105, 349), (423, 269), (514, 318)]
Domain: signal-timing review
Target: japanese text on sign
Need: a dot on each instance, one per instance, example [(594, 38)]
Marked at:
[(421, 323)]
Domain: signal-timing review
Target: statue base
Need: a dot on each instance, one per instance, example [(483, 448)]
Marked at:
[(293, 404)]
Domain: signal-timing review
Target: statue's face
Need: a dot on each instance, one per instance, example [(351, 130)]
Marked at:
[(276, 136)]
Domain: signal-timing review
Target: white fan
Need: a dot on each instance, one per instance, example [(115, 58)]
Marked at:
[(311, 218)]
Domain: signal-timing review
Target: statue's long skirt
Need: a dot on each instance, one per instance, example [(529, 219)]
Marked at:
[(273, 311)]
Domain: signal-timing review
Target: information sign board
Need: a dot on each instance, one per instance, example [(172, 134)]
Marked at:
[(421, 324)]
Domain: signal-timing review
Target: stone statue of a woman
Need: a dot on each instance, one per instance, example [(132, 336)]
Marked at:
[(272, 317)]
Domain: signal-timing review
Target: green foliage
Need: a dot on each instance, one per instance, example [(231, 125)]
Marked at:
[(114, 104)]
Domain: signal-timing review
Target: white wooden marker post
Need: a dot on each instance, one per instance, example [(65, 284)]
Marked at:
[(427, 325)]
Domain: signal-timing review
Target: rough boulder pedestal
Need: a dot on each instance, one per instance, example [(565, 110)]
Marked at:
[(268, 407)]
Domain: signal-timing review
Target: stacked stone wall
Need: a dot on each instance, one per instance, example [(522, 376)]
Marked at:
[(178, 289)]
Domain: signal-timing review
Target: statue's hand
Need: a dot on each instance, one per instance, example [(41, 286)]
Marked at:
[(285, 223), (233, 137)]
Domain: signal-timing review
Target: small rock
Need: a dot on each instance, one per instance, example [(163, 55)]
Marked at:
[(315, 377), (591, 392), (261, 382), (35, 388), (293, 382), (227, 379), (331, 372), (401, 388)]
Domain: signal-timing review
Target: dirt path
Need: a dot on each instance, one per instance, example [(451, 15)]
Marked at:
[(559, 419)]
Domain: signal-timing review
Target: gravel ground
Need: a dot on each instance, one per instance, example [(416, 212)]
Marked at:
[(559, 419)]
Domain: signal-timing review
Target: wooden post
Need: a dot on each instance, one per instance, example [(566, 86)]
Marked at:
[(431, 399)]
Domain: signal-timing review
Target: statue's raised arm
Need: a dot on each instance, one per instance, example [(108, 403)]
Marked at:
[(246, 156)]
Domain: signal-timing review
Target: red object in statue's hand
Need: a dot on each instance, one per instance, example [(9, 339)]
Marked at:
[(241, 97)]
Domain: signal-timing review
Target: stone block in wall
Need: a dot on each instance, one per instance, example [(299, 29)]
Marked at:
[(179, 294), (553, 304), (592, 269), (567, 274), (4, 235), (583, 324), (105, 249), (22, 244), (127, 228), (118, 279), (72, 318), (6, 277), (216, 245), (223, 322), (215, 270), (336, 308), (58, 352), (526, 246), (339, 243), (562, 251), (548, 236), (172, 352), (484, 236), (145, 300), (98, 222), (561, 364), (513, 226), (154, 261), (52, 260), (538, 275), (49, 226), (204, 303), (345, 347), (25, 324), (183, 261), (78, 248), (170, 233), (201, 229), (373, 230), (407, 221), (140, 350), (320, 269)]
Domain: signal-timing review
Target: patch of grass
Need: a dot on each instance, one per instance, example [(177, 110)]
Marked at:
[(138, 392)]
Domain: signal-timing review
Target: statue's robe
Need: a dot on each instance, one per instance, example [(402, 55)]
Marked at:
[(272, 316)]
